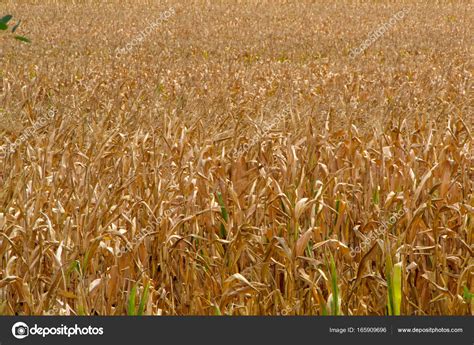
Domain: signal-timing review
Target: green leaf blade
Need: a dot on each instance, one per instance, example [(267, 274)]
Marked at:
[(131, 301), (16, 26), (335, 292), (143, 300), (397, 288), (22, 39), (224, 214), (6, 19)]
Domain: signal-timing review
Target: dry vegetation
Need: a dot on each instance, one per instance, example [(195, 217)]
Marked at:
[(141, 152)]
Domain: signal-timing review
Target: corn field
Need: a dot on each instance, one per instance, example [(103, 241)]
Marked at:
[(237, 158)]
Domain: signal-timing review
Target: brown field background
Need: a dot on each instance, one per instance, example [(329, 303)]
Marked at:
[(142, 148)]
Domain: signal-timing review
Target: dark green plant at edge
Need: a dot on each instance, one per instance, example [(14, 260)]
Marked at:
[(4, 27)]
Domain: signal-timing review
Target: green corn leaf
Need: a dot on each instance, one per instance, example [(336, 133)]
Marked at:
[(144, 299), (3, 26), (6, 19), (217, 310), (376, 196), (388, 275), (16, 26), (131, 301), (224, 214), (335, 292), (74, 266), (23, 39), (324, 311), (467, 295), (397, 288)]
